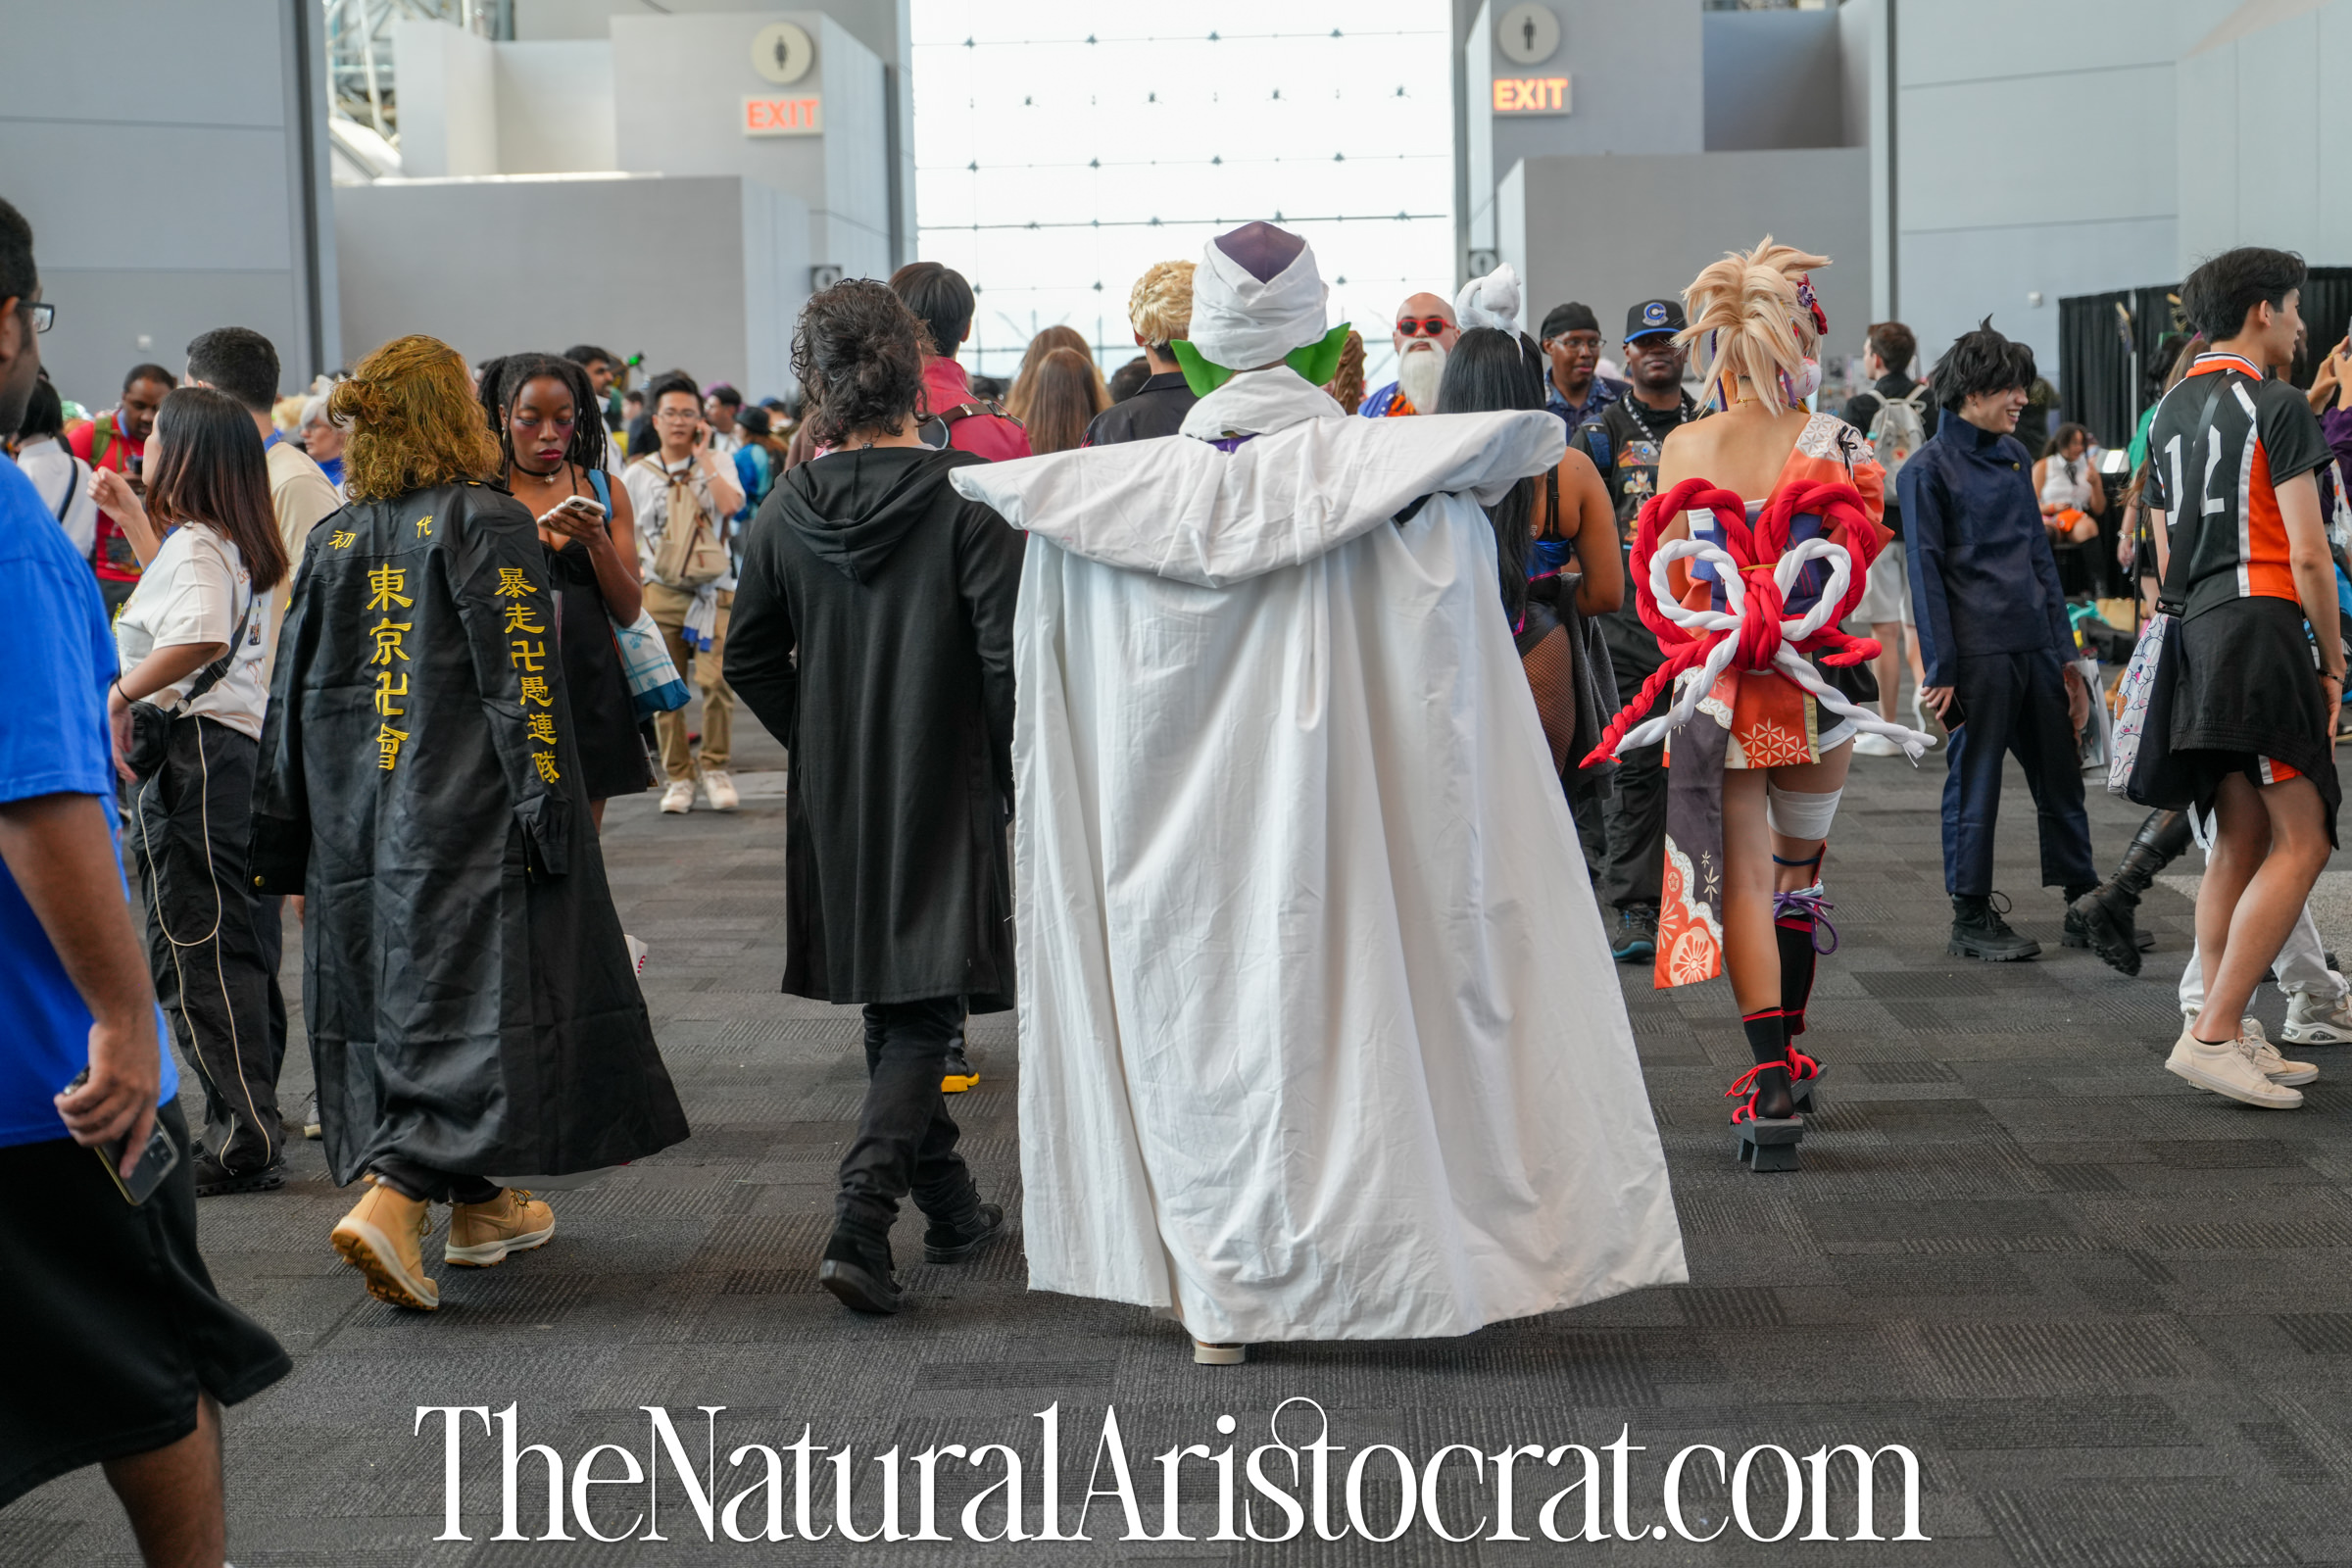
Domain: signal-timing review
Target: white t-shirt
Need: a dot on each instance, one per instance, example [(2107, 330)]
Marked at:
[(193, 592), (53, 470)]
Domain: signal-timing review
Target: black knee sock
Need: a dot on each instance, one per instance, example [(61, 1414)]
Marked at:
[(1767, 1036), (1794, 935)]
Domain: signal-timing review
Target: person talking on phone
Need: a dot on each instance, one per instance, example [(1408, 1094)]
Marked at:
[(1993, 637), (552, 444), (124, 1352), (685, 494)]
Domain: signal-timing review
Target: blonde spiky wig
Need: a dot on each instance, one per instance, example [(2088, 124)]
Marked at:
[(1161, 304), (1754, 317)]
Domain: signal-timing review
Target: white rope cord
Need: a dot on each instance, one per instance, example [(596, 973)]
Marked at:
[(1785, 659)]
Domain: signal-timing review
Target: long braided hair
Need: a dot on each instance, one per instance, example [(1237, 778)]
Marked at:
[(504, 379)]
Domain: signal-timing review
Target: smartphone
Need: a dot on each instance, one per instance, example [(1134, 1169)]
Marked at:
[(1954, 713), (585, 506), (156, 1161)]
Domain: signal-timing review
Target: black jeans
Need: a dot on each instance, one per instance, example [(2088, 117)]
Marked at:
[(426, 1185), (1634, 871), (905, 1139), (213, 963), (2015, 704)]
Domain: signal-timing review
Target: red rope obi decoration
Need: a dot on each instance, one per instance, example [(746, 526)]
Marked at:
[(1756, 621)]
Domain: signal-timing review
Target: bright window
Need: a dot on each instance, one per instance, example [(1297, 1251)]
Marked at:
[(1063, 146)]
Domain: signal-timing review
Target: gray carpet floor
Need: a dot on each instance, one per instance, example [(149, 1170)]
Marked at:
[(2112, 1316)]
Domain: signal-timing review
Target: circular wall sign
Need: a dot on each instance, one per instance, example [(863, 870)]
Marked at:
[(783, 53), (1527, 35)]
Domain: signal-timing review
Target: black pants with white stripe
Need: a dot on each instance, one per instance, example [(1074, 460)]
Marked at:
[(205, 942)]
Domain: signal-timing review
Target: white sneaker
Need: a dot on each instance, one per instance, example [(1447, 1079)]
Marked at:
[(2231, 1069), (2276, 1067), (720, 789), (2313, 1023), (1868, 744), (679, 799)]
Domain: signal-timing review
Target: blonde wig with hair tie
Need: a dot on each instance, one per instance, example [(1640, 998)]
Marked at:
[(1752, 317)]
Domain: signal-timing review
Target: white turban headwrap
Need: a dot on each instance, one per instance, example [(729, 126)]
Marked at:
[(1489, 301), (1239, 322)]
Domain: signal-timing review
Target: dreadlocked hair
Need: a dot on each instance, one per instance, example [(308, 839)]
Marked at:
[(503, 381), (1747, 323), (415, 422)]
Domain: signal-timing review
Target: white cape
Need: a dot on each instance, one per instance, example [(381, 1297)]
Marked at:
[(1320, 1037)]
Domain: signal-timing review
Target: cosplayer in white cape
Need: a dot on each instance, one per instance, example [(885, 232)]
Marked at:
[(1320, 1038)]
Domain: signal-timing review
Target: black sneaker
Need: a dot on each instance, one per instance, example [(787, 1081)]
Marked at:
[(215, 1180), (859, 1275), (958, 1074), (953, 1244), (1637, 938), (1979, 932)]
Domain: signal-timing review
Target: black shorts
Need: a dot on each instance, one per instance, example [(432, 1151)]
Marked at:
[(109, 1318)]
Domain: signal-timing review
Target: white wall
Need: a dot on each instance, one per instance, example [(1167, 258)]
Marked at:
[(1635, 68), (555, 106), (447, 99), (1720, 202), (172, 160), (678, 85), (2256, 153), (499, 266), (884, 26), (2036, 152)]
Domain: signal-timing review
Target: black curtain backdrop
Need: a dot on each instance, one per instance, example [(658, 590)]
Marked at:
[(2094, 361)]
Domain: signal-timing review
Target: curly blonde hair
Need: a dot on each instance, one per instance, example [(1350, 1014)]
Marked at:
[(415, 421), (1750, 322), (1160, 305)]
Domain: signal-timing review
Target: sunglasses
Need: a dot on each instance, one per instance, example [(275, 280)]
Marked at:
[(1423, 327)]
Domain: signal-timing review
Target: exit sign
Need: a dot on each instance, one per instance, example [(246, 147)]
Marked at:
[(802, 116), (1531, 95)]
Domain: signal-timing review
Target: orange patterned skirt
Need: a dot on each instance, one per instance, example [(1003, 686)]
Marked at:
[(1751, 718)]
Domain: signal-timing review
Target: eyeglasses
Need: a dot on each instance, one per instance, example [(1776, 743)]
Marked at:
[(678, 413), (43, 315), (1423, 327)]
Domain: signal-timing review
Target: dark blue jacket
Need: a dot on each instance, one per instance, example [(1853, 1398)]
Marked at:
[(1982, 577)]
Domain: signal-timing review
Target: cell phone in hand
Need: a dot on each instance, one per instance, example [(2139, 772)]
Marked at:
[(583, 505), (156, 1161), (1954, 713)]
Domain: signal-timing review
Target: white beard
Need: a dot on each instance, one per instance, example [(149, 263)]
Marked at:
[(1419, 370)]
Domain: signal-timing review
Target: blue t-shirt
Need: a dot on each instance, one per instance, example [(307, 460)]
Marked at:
[(58, 661)]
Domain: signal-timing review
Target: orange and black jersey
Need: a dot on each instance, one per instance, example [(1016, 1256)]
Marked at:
[(2224, 440)]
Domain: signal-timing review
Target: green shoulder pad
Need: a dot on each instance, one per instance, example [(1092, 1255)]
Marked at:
[(1319, 361), (1199, 374)]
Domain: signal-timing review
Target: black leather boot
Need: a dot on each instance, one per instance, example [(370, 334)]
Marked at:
[(1979, 932), (856, 1269), (2104, 917)]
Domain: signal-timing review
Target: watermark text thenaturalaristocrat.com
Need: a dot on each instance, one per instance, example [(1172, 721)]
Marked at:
[(688, 1480)]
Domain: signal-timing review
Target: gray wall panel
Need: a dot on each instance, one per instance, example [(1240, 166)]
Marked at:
[(1719, 201)]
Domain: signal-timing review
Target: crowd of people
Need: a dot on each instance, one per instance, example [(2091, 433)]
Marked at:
[(1455, 690)]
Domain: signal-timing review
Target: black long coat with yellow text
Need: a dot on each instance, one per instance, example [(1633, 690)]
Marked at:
[(469, 1000), (872, 635)]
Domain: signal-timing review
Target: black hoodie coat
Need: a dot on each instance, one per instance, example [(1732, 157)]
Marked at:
[(872, 635)]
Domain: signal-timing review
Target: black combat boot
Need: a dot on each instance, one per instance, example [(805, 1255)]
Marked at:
[(2102, 918), (1979, 932)]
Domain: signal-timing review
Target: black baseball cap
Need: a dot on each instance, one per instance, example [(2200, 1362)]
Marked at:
[(1652, 316)]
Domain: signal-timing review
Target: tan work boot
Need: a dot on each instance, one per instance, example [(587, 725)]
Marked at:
[(481, 1235), (383, 1238)]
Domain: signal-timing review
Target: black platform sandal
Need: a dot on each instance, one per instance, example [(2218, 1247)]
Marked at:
[(1766, 1142)]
